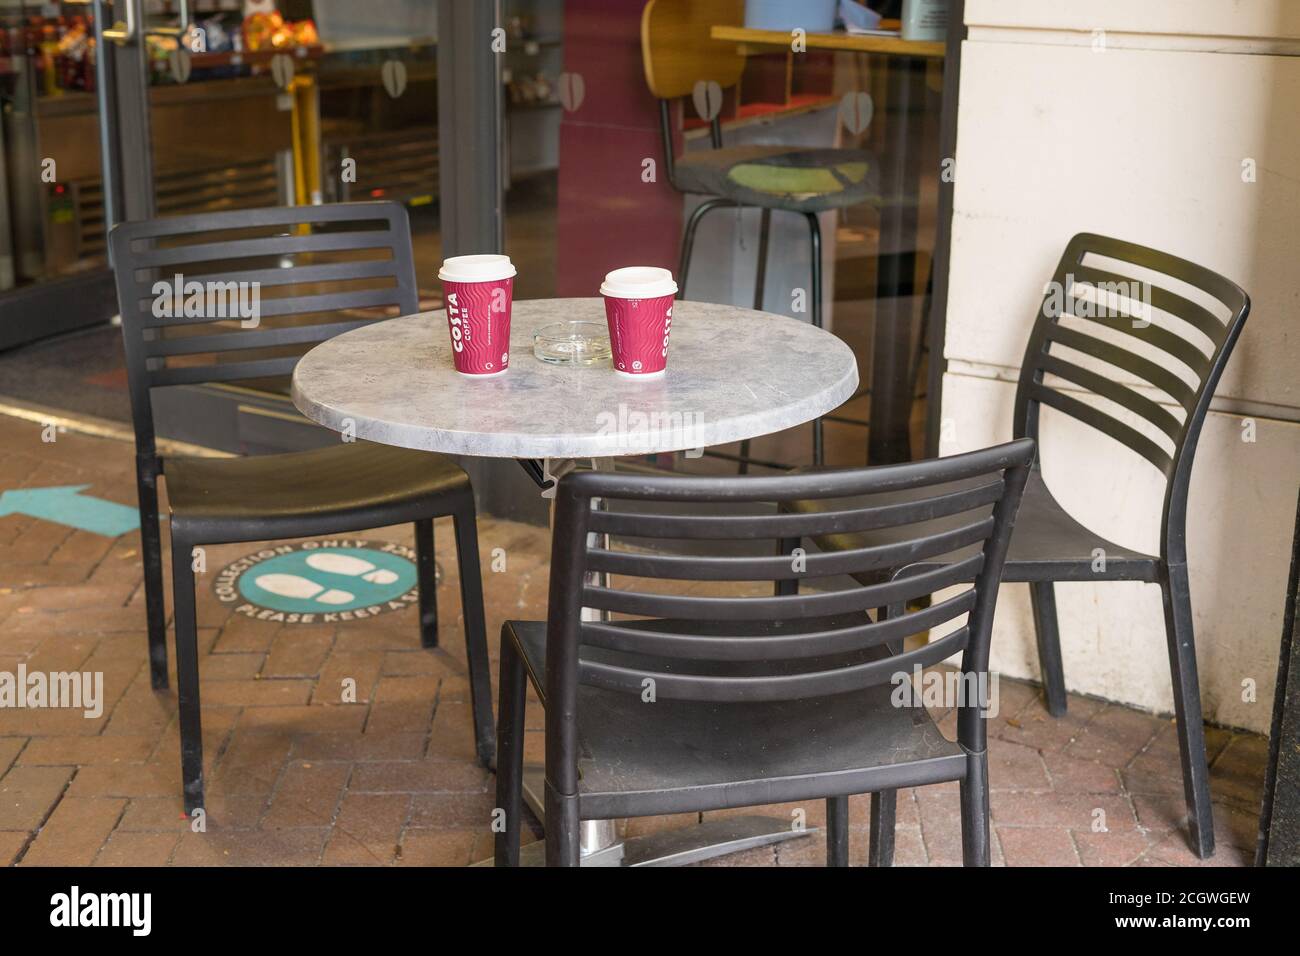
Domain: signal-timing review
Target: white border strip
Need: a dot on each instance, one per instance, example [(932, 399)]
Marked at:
[(1124, 40), (1221, 404), (101, 428)]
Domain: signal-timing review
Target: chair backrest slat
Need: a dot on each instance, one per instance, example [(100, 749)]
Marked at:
[(250, 339), (1127, 361), (824, 683), (1133, 324), (191, 291), (749, 643), (795, 607), (236, 249), (345, 271), (226, 372), (1128, 310), (1195, 315), (749, 527), (782, 567), (1120, 394), (1089, 415), (630, 639), (268, 308)]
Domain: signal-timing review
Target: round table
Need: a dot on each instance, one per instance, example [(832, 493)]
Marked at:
[(732, 374)]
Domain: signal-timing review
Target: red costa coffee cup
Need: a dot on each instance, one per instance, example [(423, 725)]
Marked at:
[(639, 310), (477, 293)]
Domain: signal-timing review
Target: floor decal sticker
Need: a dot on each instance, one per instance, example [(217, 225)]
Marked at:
[(67, 506), (321, 581)]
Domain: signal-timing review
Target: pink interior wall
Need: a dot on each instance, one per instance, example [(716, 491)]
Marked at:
[(607, 216)]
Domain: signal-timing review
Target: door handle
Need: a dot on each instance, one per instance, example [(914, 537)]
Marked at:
[(177, 31), (123, 31)]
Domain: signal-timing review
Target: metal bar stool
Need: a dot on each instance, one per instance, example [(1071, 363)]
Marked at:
[(677, 53)]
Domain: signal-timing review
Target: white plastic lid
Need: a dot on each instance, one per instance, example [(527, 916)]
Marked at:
[(485, 268), (639, 282)]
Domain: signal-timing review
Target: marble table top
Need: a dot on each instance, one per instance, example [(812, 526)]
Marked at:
[(732, 374)]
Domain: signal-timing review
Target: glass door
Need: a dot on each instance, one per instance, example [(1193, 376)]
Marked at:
[(53, 277), (112, 110)]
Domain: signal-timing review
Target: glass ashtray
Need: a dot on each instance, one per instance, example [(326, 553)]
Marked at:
[(572, 343)]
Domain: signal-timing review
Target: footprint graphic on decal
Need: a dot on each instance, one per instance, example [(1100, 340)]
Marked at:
[(292, 586), (352, 567)]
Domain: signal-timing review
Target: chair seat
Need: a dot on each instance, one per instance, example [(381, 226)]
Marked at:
[(782, 177), (347, 486), (1047, 544), (668, 756)]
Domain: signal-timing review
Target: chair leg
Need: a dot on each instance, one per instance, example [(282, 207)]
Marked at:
[(975, 849), (684, 268), (815, 241), (688, 239), (1187, 709), (837, 831), (1042, 595), (923, 340), (155, 610), (187, 675), (760, 281), (427, 576), (563, 839), (510, 753), (884, 805), (743, 469), (785, 548), (815, 293), (476, 652)]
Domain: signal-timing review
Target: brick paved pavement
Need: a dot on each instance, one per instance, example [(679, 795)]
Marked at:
[(295, 776)]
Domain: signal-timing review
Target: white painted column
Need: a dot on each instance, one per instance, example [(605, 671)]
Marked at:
[(1170, 123)]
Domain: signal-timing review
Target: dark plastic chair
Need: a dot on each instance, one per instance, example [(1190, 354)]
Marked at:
[(709, 702), (1192, 343), (677, 53), (350, 263)]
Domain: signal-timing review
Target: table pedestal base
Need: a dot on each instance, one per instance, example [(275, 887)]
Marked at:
[(680, 847), (602, 847)]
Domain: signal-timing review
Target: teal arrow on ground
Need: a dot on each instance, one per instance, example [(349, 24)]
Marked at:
[(66, 505)]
